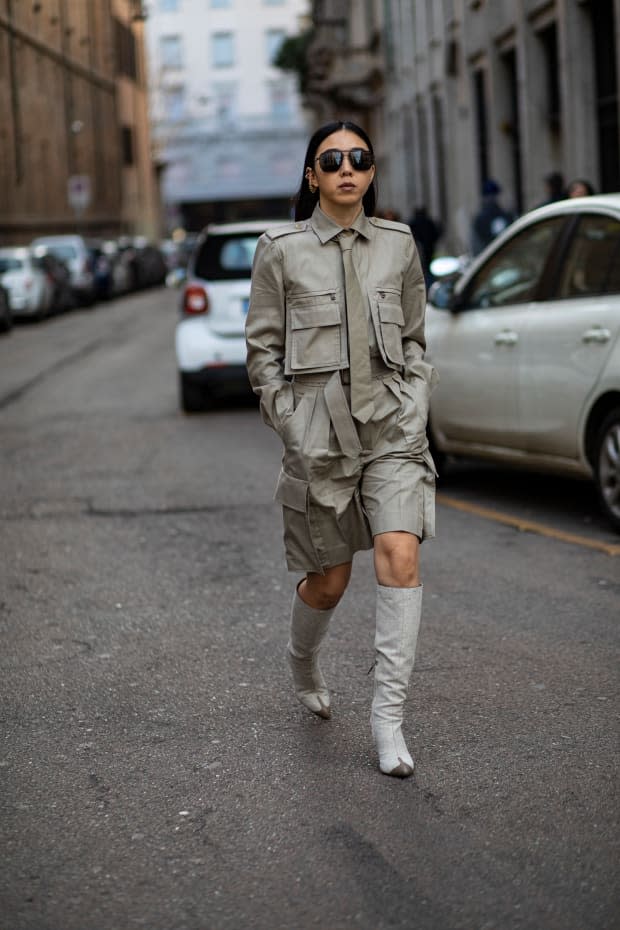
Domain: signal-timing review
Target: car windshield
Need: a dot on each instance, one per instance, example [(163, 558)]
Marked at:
[(226, 258), (512, 274), (65, 252), (10, 264)]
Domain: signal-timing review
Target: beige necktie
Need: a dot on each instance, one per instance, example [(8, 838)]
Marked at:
[(362, 405)]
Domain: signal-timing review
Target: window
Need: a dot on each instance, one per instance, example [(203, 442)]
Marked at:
[(274, 39), (223, 49), (606, 95), (592, 265), (174, 102), (127, 145), (171, 51), (169, 6), (226, 258), (279, 99), (126, 60), (221, 4), (10, 264), (549, 40), (512, 275), (482, 134), (274, 2), (225, 100)]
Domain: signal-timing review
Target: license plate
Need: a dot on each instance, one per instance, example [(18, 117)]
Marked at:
[(245, 304)]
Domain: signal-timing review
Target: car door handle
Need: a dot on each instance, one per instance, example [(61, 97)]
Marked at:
[(596, 334), (507, 337)]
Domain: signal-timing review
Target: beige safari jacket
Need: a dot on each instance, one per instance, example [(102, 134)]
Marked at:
[(296, 322)]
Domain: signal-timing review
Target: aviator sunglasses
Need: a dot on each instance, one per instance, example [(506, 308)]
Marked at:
[(331, 159)]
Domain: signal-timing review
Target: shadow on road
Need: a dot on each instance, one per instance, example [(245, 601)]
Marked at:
[(567, 502)]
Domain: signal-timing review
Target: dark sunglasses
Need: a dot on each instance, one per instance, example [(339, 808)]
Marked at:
[(331, 160)]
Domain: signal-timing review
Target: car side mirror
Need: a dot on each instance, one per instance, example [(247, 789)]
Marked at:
[(441, 294)]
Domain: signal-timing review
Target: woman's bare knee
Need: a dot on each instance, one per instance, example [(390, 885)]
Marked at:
[(396, 560), (324, 591)]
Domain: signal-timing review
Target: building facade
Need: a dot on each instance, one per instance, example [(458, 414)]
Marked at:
[(459, 91), (227, 124), (74, 132)]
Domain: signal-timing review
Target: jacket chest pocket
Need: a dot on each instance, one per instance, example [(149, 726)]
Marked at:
[(315, 332), (391, 322)]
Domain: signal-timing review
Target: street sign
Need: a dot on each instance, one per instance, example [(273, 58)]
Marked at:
[(79, 191)]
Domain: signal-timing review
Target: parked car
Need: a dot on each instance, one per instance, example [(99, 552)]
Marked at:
[(527, 345), (75, 253), (6, 317), (102, 269), (210, 340), (120, 270), (29, 289), (146, 262), (59, 278)]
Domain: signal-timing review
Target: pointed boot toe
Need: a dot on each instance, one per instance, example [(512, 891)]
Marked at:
[(325, 712), (402, 770)]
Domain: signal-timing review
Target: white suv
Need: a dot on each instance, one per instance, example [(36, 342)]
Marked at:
[(210, 338)]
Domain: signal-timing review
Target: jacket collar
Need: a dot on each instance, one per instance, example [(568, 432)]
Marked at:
[(327, 229)]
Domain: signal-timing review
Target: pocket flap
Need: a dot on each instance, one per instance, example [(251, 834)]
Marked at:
[(291, 492), (327, 314), (391, 313)]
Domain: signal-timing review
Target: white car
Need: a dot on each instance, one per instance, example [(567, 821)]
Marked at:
[(210, 337), (527, 346), (29, 289)]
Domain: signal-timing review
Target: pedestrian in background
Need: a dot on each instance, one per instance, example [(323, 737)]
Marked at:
[(388, 214), (426, 233), (491, 219), (335, 338), (554, 185), (579, 188)]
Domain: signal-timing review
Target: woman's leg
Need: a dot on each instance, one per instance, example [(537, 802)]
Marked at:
[(314, 602), (324, 591), (397, 560), (399, 606)]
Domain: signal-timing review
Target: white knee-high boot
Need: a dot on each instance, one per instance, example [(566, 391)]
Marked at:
[(398, 621), (308, 629)]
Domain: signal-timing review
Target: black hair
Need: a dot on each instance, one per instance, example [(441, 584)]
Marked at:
[(305, 201), (589, 188)]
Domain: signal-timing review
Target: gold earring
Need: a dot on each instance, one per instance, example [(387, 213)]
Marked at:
[(312, 187)]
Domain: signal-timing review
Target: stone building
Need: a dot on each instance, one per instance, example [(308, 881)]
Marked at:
[(227, 124), (458, 91), (74, 132)]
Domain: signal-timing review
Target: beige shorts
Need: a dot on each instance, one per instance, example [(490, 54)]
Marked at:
[(343, 482)]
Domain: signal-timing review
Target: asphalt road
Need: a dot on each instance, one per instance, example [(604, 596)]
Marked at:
[(156, 770)]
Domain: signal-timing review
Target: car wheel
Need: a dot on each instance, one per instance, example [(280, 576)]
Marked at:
[(194, 398), (607, 467)]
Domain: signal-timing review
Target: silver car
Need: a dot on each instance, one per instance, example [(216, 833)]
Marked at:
[(527, 346), (75, 253)]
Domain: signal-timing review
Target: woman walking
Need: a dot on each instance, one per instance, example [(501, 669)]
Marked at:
[(335, 337)]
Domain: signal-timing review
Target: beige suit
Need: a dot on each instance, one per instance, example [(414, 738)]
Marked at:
[(342, 482)]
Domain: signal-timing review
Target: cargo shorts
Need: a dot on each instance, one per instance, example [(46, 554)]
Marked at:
[(343, 482)]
